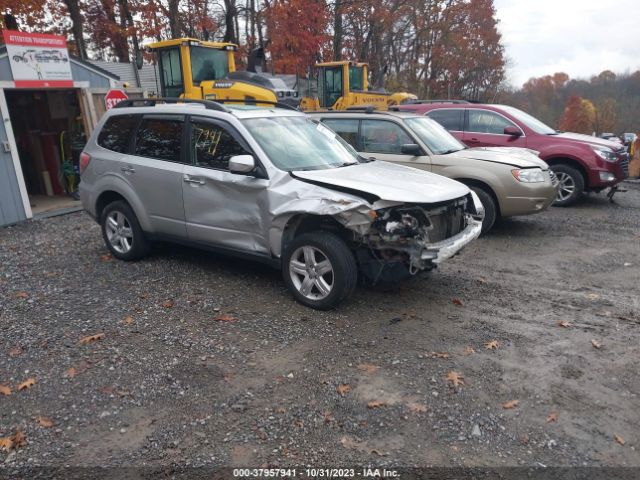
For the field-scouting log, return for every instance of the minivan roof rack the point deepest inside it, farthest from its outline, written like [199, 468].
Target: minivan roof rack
[152, 102]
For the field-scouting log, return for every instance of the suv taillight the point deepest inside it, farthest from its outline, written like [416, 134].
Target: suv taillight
[85, 158]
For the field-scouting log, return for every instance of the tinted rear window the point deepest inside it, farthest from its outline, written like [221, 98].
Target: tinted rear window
[449, 118]
[159, 138]
[116, 132]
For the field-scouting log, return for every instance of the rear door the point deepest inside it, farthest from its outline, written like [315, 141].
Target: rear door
[222, 208]
[154, 169]
[485, 128]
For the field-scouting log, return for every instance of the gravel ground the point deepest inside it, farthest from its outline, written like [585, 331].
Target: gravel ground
[206, 360]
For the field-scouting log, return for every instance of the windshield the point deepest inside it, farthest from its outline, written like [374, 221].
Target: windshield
[208, 64]
[532, 122]
[299, 143]
[434, 135]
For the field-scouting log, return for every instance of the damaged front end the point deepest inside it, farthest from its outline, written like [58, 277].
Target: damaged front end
[406, 239]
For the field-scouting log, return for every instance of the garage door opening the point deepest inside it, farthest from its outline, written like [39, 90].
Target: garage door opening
[50, 135]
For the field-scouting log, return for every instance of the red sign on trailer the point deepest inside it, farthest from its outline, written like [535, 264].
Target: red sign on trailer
[113, 97]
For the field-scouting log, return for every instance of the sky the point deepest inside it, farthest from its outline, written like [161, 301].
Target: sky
[578, 37]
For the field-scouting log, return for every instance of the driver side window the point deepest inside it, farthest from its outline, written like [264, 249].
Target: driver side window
[212, 146]
[482, 121]
[380, 136]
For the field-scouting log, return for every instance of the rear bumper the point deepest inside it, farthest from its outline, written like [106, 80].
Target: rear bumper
[441, 251]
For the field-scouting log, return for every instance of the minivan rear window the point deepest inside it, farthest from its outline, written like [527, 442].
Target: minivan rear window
[116, 132]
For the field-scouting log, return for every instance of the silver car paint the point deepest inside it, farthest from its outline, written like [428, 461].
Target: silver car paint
[250, 214]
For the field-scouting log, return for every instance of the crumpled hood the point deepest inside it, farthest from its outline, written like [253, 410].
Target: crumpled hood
[579, 137]
[519, 157]
[390, 182]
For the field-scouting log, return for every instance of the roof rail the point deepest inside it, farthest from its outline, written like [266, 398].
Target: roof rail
[362, 108]
[151, 102]
[414, 102]
[255, 101]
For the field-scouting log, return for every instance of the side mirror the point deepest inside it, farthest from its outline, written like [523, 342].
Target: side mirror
[242, 164]
[411, 149]
[513, 131]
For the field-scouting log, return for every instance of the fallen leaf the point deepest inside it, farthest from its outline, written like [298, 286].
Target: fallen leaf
[4, 390]
[45, 422]
[27, 384]
[524, 439]
[328, 417]
[15, 351]
[225, 318]
[299, 423]
[553, 417]
[457, 301]
[493, 344]
[416, 407]
[619, 439]
[377, 452]
[6, 443]
[368, 368]
[22, 294]
[281, 410]
[564, 324]
[375, 404]
[510, 404]
[455, 378]
[168, 303]
[350, 443]
[343, 388]
[440, 355]
[596, 344]
[468, 350]
[72, 372]
[106, 257]
[593, 296]
[482, 280]
[128, 320]
[19, 440]
[91, 338]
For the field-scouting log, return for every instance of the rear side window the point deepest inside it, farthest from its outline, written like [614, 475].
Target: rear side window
[116, 132]
[159, 138]
[347, 129]
[449, 119]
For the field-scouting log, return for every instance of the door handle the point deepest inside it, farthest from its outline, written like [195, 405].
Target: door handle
[128, 169]
[473, 139]
[197, 181]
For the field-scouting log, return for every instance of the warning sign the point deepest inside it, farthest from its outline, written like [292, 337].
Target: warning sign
[38, 60]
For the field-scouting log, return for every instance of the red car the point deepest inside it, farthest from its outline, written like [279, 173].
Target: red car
[581, 163]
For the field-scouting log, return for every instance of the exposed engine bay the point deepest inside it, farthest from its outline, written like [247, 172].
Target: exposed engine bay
[404, 240]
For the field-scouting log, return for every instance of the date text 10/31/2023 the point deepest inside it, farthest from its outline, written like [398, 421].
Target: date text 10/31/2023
[364, 472]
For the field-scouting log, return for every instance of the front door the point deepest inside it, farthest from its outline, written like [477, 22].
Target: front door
[486, 129]
[223, 208]
[383, 140]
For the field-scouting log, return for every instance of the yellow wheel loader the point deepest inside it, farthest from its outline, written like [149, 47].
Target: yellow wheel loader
[343, 85]
[195, 69]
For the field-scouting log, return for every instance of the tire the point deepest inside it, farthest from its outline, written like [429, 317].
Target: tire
[300, 270]
[571, 185]
[490, 208]
[122, 233]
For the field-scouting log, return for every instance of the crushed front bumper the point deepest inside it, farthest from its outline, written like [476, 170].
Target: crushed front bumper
[439, 252]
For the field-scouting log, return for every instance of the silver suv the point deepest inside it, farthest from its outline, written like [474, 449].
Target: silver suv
[270, 184]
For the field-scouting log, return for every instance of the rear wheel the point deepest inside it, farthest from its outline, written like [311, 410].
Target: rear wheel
[122, 232]
[571, 185]
[490, 208]
[320, 270]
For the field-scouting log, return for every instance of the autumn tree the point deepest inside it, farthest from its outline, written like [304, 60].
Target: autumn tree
[579, 116]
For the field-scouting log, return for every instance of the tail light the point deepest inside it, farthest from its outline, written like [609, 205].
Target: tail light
[85, 158]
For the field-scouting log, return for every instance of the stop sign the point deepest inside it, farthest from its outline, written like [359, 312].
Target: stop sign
[114, 96]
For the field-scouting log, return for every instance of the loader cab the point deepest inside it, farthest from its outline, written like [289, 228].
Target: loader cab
[184, 63]
[337, 79]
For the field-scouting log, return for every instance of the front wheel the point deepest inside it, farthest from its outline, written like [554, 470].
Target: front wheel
[320, 270]
[571, 185]
[490, 208]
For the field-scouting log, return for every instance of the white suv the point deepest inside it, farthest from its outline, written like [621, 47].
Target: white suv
[271, 184]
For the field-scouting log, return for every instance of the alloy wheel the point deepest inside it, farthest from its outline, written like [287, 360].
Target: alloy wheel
[119, 232]
[311, 272]
[567, 186]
